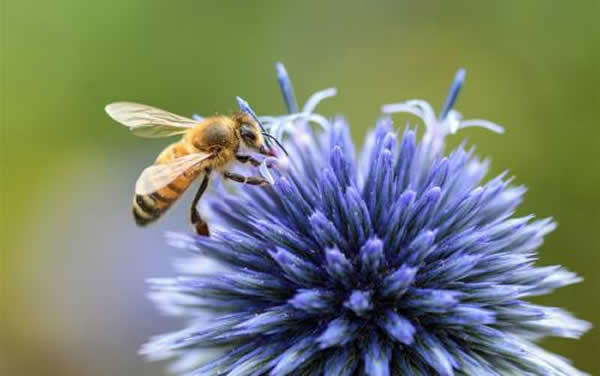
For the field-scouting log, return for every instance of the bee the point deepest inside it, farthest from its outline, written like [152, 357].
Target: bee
[206, 146]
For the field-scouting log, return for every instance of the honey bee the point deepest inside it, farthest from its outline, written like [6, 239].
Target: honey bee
[207, 146]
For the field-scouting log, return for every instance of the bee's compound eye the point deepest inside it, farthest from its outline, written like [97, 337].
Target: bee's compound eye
[247, 132]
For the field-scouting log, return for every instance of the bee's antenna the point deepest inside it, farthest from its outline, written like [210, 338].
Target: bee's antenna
[245, 107]
[270, 136]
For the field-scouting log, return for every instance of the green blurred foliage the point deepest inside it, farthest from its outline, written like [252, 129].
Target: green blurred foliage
[533, 66]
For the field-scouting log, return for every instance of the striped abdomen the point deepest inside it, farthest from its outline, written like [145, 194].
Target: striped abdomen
[148, 208]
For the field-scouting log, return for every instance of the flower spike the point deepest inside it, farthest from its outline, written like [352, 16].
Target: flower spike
[457, 84]
[407, 261]
[287, 90]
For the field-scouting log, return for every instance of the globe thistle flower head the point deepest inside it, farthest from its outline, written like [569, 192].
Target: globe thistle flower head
[401, 261]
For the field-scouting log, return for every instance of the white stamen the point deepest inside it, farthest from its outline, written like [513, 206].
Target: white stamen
[482, 124]
[317, 97]
[265, 173]
[436, 129]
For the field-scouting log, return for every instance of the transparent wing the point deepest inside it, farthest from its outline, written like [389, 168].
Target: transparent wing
[147, 121]
[158, 176]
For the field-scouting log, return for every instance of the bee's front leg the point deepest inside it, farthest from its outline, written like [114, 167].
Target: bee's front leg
[252, 180]
[253, 161]
[248, 159]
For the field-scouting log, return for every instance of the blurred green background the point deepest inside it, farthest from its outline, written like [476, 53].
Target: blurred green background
[73, 263]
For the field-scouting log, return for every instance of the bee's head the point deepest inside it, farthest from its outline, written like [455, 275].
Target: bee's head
[251, 135]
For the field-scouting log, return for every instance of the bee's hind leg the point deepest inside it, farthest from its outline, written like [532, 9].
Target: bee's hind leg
[252, 180]
[197, 221]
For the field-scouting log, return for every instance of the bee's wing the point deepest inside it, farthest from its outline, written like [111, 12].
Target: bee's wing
[158, 176]
[147, 121]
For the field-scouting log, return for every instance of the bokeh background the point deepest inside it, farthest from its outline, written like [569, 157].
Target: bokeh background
[73, 264]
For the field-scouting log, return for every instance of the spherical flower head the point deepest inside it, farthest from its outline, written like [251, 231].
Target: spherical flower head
[403, 261]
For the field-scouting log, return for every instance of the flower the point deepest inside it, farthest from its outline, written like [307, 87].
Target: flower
[401, 262]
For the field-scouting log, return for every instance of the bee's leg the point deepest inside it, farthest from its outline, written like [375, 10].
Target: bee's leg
[248, 159]
[197, 221]
[252, 180]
